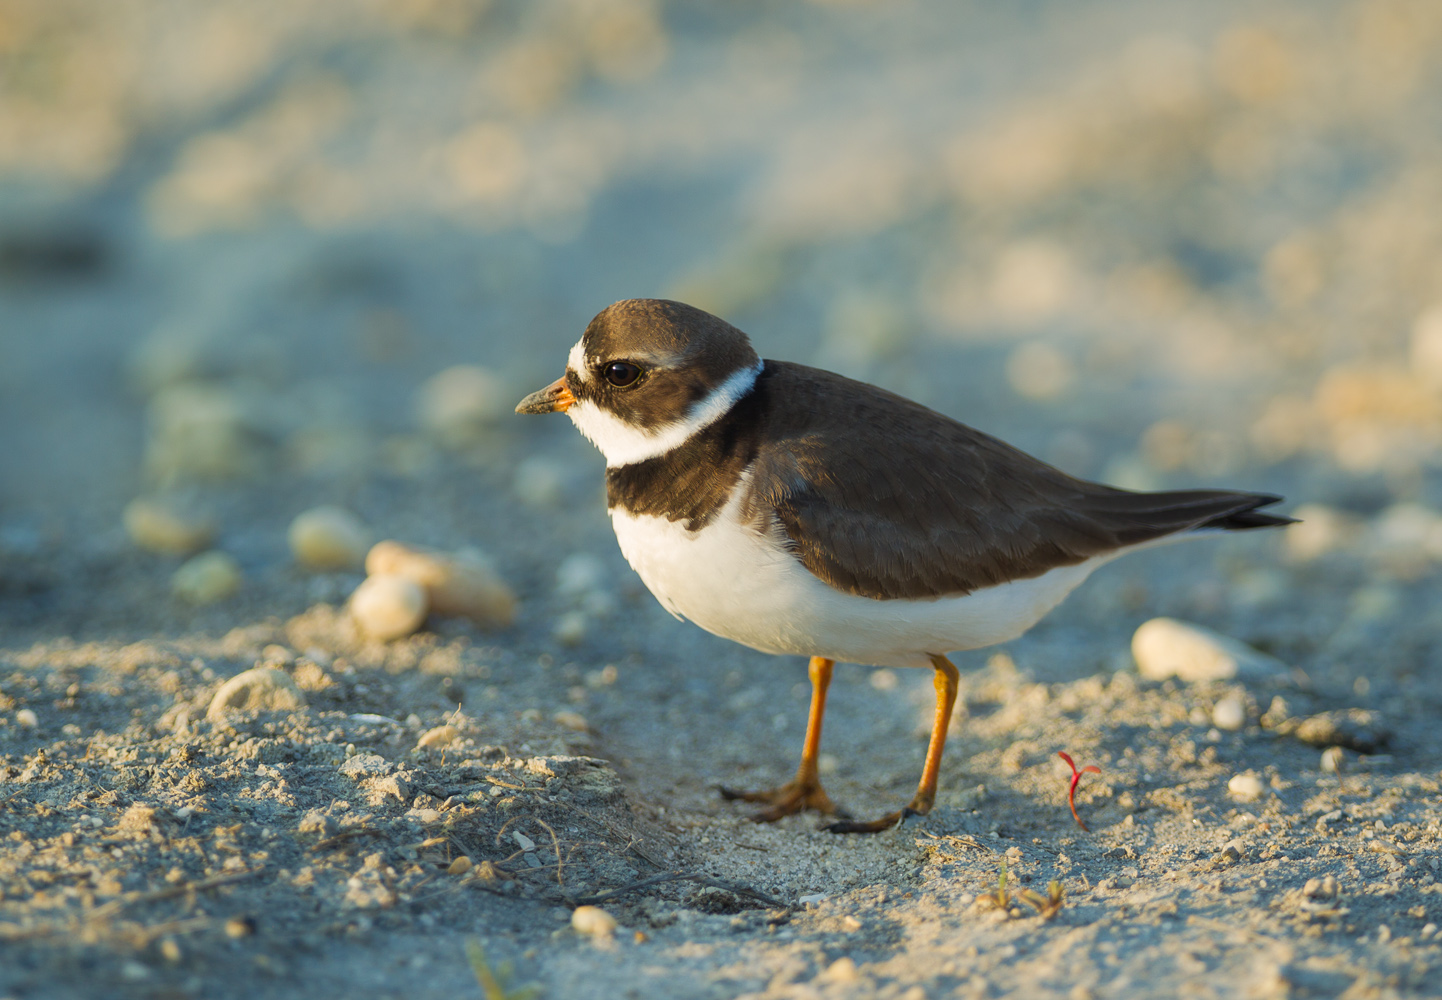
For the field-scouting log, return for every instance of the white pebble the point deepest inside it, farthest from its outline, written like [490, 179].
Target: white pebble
[440, 736]
[166, 526]
[579, 573]
[388, 607]
[593, 921]
[570, 628]
[206, 578]
[1165, 647]
[328, 539]
[540, 481]
[1230, 713]
[27, 719]
[1245, 786]
[260, 689]
[459, 404]
[460, 583]
[1332, 759]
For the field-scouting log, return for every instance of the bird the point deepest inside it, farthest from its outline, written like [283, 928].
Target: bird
[799, 512]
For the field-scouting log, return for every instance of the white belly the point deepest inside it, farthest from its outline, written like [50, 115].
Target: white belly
[735, 582]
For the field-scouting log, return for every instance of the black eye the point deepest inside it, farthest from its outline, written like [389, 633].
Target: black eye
[621, 373]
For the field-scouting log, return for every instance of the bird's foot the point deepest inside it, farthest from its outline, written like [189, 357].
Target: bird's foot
[871, 826]
[792, 797]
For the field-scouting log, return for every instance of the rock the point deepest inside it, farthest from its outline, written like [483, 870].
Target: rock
[166, 526]
[328, 539]
[1246, 787]
[461, 403]
[522, 841]
[1332, 760]
[27, 719]
[388, 607]
[540, 481]
[570, 628]
[365, 765]
[440, 736]
[206, 578]
[1165, 647]
[459, 866]
[1355, 728]
[1229, 713]
[1318, 531]
[260, 689]
[461, 583]
[593, 921]
[570, 720]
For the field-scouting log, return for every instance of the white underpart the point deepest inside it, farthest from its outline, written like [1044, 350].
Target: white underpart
[625, 444]
[740, 583]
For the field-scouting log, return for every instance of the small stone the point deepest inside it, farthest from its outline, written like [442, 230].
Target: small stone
[1332, 759]
[570, 628]
[1165, 648]
[440, 736]
[206, 578]
[170, 950]
[459, 866]
[460, 404]
[240, 927]
[27, 719]
[166, 526]
[579, 574]
[592, 921]
[1356, 729]
[1229, 713]
[570, 720]
[133, 972]
[260, 689]
[1246, 787]
[843, 970]
[328, 539]
[540, 481]
[461, 583]
[524, 842]
[365, 766]
[388, 607]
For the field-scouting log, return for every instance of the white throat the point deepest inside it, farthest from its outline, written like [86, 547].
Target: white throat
[625, 444]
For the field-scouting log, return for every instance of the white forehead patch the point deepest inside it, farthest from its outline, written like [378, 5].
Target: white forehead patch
[576, 362]
[626, 444]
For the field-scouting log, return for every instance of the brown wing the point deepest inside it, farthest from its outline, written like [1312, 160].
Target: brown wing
[881, 497]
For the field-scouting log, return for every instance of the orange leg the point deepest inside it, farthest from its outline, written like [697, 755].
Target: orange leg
[946, 680]
[804, 791]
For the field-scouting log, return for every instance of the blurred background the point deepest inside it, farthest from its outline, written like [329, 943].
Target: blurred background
[259, 255]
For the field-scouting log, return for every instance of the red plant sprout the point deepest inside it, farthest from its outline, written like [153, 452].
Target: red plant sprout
[1076, 777]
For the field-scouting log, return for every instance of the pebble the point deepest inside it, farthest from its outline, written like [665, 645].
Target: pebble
[209, 577]
[1229, 713]
[166, 526]
[1245, 786]
[570, 628]
[1332, 759]
[570, 720]
[459, 866]
[525, 843]
[460, 583]
[461, 403]
[27, 719]
[239, 927]
[1355, 728]
[328, 539]
[200, 430]
[1165, 648]
[593, 921]
[388, 607]
[843, 970]
[260, 689]
[1319, 530]
[540, 481]
[440, 736]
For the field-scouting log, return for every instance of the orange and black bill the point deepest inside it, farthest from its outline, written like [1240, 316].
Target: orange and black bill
[554, 398]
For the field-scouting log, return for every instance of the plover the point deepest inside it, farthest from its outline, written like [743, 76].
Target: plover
[799, 512]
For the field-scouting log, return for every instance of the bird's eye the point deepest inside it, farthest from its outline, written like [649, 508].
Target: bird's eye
[621, 373]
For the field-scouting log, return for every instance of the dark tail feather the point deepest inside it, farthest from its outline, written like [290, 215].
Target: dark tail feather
[1251, 517]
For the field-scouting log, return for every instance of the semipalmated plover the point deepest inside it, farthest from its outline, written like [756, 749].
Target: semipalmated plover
[797, 511]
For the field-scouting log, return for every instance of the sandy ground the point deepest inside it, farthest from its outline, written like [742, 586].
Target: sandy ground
[1159, 244]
